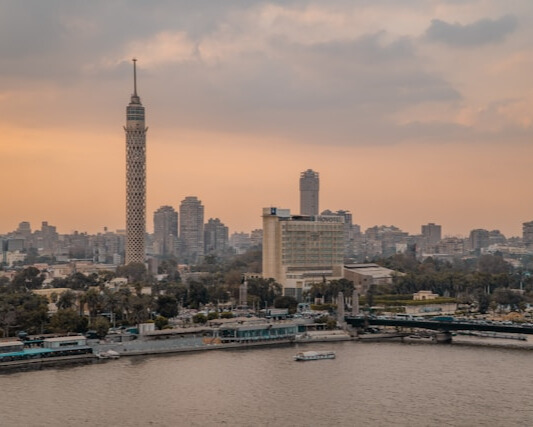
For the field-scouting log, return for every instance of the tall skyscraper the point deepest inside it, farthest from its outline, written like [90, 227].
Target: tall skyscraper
[309, 192]
[165, 230]
[191, 229]
[135, 176]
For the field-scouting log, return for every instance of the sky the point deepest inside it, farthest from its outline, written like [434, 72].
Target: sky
[412, 111]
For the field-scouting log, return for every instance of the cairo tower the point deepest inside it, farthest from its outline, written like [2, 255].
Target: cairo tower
[135, 176]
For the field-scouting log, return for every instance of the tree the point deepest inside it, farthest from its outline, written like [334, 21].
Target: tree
[265, 290]
[66, 300]
[94, 300]
[23, 311]
[101, 326]
[483, 301]
[79, 281]
[167, 306]
[199, 318]
[161, 322]
[68, 320]
[329, 321]
[212, 315]
[141, 307]
[226, 315]
[286, 302]
[508, 297]
[125, 303]
[134, 271]
[29, 278]
[110, 302]
[492, 264]
[197, 294]
[370, 293]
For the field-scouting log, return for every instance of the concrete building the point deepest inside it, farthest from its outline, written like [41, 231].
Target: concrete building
[453, 246]
[424, 295]
[364, 276]
[432, 233]
[309, 186]
[301, 250]
[496, 237]
[388, 236]
[165, 231]
[349, 230]
[191, 229]
[527, 234]
[240, 241]
[216, 237]
[479, 239]
[135, 177]
[47, 239]
[256, 237]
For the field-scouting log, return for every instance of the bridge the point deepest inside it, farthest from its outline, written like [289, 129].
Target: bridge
[442, 326]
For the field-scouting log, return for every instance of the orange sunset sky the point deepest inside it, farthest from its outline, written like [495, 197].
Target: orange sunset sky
[412, 112]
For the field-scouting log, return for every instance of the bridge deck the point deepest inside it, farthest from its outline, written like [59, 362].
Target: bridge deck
[455, 325]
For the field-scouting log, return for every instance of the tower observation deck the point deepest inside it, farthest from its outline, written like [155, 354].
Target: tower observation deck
[135, 176]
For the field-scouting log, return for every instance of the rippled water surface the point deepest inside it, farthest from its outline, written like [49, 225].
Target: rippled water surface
[376, 384]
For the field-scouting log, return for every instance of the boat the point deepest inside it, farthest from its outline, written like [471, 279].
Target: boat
[109, 354]
[314, 355]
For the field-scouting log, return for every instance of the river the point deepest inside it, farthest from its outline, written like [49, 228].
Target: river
[368, 384]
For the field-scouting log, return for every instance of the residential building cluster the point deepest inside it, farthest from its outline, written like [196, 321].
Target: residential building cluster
[188, 244]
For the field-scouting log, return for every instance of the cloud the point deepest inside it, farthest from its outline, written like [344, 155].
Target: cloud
[482, 32]
[300, 70]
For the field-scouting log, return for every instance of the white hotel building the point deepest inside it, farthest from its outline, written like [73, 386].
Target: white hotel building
[301, 250]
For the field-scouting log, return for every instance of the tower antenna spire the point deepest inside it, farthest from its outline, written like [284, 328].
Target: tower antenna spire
[134, 76]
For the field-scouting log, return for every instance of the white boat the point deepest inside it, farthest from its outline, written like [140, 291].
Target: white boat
[109, 354]
[314, 355]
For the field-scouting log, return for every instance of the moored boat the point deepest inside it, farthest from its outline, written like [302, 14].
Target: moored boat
[109, 354]
[314, 355]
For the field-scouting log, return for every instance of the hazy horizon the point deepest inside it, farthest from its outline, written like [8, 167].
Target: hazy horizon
[412, 112]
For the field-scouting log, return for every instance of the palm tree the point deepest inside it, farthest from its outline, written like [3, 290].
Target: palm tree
[94, 301]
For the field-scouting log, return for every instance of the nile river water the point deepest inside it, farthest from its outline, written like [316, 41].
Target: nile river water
[368, 384]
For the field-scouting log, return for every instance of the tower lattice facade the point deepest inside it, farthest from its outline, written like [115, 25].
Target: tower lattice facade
[135, 177]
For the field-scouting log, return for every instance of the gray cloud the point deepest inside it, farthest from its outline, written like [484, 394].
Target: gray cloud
[482, 32]
[342, 92]
[345, 90]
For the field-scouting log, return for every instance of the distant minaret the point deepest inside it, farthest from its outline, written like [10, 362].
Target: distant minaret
[309, 185]
[135, 176]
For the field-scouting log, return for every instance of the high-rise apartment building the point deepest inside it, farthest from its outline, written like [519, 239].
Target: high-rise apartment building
[479, 239]
[240, 241]
[432, 233]
[299, 251]
[216, 237]
[135, 177]
[527, 234]
[256, 237]
[309, 186]
[191, 229]
[165, 231]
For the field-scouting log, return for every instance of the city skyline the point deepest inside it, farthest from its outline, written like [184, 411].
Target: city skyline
[245, 97]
